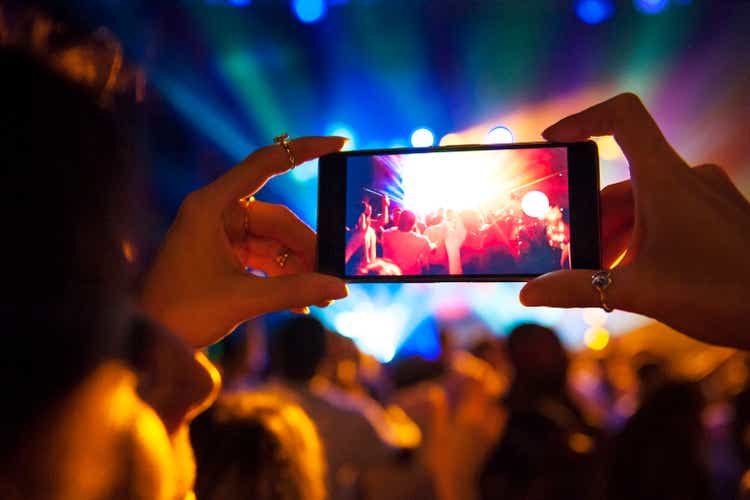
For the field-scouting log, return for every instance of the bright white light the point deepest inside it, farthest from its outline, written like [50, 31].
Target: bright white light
[535, 204]
[378, 332]
[343, 131]
[456, 180]
[499, 135]
[422, 138]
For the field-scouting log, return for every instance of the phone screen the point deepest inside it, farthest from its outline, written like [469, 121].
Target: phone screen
[470, 213]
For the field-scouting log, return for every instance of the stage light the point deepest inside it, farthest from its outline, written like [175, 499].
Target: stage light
[535, 204]
[499, 135]
[240, 3]
[596, 338]
[650, 6]
[342, 130]
[422, 138]
[309, 11]
[594, 316]
[594, 11]
[306, 171]
[450, 140]
[378, 332]
[608, 148]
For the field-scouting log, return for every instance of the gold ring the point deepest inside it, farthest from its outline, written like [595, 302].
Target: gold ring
[283, 256]
[602, 280]
[246, 202]
[284, 143]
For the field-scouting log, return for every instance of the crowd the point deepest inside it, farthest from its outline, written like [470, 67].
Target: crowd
[512, 416]
[104, 371]
[504, 240]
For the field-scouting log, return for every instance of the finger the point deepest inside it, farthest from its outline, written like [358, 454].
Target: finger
[277, 222]
[294, 291]
[627, 119]
[252, 173]
[574, 289]
[617, 219]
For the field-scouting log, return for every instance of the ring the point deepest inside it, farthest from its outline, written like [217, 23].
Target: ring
[602, 280]
[283, 256]
[284, 143]
[246, 202]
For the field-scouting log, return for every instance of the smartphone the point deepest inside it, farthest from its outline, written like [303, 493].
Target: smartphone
[505, 212]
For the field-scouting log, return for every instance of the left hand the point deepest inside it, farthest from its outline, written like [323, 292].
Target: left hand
[198, 286]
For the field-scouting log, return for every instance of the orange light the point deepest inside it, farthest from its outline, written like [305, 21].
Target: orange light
[450, 140]
[619, 259]
[128, 251]
[608, 148]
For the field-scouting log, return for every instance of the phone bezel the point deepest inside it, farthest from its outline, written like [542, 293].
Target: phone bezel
[583, 189]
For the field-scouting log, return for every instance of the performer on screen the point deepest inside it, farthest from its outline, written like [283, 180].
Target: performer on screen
[361, 248]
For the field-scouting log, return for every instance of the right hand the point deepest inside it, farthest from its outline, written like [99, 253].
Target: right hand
[686, 231]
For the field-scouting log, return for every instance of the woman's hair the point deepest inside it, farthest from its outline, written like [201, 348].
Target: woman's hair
[66, 200]
[259, 446]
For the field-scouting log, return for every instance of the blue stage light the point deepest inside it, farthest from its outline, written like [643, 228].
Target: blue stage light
[240, 3]
[499, 135]
[650, 6]
[309, 11]
[422, 138]
[594, 11]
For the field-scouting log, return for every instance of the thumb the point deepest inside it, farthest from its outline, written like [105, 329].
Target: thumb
[292, 291]
[574, 289]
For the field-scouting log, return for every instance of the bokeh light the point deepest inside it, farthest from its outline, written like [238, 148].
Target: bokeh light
[596, 338]
[594, 11]
[309, 11]
[535, 204]
[450, 140]
[650, 6]
[422, 138]
[499, 135]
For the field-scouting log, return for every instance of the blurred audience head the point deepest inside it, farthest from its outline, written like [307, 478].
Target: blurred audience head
[259, 446]
[297, 348]
[406, 221]
[538, 358]
[660, 453]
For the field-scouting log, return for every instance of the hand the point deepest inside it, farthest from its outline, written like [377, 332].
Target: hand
[685, 230]
[198, 286]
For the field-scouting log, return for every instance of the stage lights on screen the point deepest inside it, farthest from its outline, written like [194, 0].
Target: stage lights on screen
[309, 11]
[450, 140]
[499, 135]
[422, 138]
[594, 11]
[535, 204]
[650, 6]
